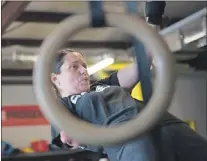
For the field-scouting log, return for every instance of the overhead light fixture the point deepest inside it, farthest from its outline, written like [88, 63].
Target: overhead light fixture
[189, 39]
[31, 58]
[100, 65]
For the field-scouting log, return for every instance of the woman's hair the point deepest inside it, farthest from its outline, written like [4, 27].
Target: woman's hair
[59, 62]
[60, 59]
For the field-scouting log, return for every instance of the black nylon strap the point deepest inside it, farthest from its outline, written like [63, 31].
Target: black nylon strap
[97, 14]
[145, 76]
[154, 11]
[142, 60]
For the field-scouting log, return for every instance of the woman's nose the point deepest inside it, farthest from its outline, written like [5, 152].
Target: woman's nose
[83, 70]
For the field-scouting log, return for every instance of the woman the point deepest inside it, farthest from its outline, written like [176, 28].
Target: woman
[108, 102]
[105, 102]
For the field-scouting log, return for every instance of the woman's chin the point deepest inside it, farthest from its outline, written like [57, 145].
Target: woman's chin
[85, 87]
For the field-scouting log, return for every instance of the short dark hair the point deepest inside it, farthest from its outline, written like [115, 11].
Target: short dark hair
[60, 59]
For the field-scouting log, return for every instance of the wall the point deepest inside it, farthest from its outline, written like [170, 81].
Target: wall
[21, 136]
[189, 103]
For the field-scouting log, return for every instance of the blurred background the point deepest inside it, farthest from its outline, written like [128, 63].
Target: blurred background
[22, 122]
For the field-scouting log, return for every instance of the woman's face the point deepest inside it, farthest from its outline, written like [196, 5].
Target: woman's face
[73, 77]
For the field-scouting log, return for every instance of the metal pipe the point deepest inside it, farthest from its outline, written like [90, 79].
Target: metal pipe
[185, 21]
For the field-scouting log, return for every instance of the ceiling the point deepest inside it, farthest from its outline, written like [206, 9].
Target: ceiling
[21, 29]
[40, 18]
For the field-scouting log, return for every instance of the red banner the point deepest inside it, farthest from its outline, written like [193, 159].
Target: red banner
[25, 115]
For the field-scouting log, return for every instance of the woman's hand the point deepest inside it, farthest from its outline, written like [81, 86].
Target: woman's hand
[67, 140]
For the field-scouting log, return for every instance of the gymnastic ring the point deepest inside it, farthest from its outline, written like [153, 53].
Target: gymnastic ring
[85, 132]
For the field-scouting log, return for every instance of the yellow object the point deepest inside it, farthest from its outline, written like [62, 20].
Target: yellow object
[102, 74]
[137, 90]
[116, 66]
[192, 124]
[27, 150]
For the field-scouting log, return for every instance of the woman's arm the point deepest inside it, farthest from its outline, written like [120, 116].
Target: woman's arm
[154, 10]
[128, 77]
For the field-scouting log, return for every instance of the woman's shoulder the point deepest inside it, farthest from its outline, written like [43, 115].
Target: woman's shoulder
[66, 101]
[111, 80]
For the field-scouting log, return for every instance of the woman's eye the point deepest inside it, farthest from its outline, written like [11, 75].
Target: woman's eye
[74, 66]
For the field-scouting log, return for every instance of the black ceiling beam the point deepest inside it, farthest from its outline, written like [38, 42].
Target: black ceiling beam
[17, 72]
[191, 52]
[72, 44]
[49, 17]
[16, 41]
